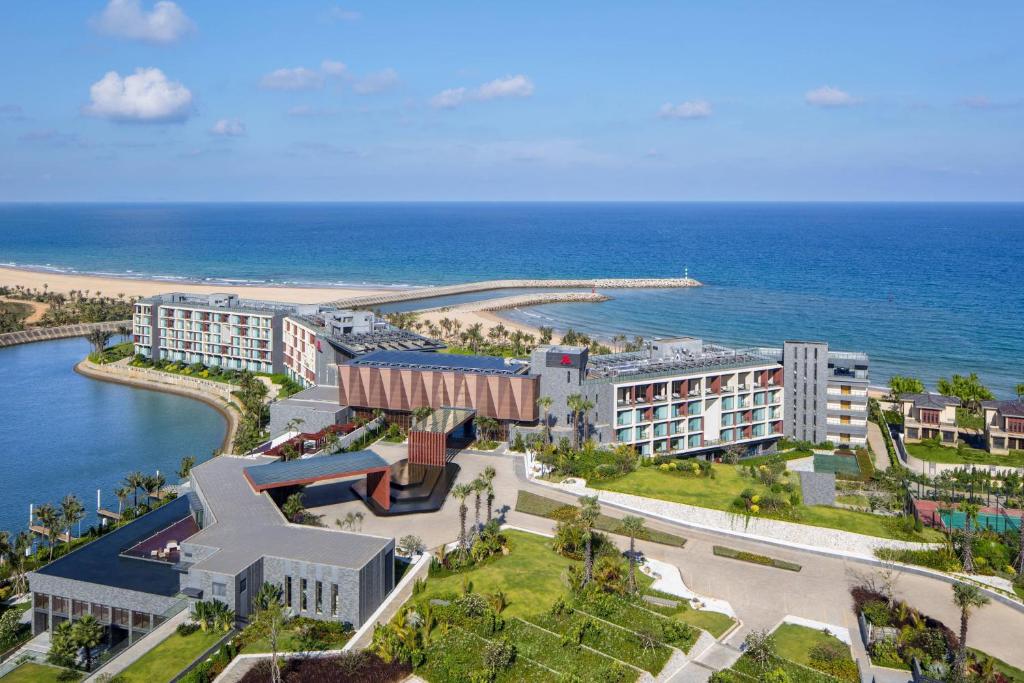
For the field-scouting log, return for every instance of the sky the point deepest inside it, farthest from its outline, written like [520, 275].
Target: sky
[134, 100]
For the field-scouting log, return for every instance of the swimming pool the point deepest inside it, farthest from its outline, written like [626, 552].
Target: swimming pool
[829, 462]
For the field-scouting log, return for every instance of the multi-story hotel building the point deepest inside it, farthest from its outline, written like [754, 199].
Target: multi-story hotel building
[677, 397]
[305, 341]
[215, 330]
[826, 393]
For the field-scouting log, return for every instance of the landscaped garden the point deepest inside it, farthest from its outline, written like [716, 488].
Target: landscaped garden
[933, 451]
[792, 654]
[777, 497]
[171, 656]
[514, 606]
[30, 672]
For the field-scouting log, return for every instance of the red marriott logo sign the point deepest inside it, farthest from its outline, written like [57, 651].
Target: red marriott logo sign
[566, 359]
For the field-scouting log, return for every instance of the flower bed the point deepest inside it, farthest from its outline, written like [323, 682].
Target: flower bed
[753, 558]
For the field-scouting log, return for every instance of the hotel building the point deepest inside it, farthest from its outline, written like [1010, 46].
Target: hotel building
[677, 397]
[826, 393]
[304, 341]
[929, 416]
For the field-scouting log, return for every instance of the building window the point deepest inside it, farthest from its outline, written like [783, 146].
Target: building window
[303, 599]
[287, 591]
[241, 585]
[319, 598]
[334, 600]
[219, 590]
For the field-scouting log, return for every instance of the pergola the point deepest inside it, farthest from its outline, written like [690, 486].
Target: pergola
[325, 467]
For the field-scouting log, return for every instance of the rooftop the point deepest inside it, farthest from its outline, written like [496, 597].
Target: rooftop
[221, 302]
[415, 360]
[102, 562]
[309, 470]
[1006, 408]
[243, 525]
[930, 400]
[362, 343]
[639, 364]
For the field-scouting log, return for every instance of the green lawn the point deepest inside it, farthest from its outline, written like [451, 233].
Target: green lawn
[530, 575]
[167, 659]
[965, 456]
[794, 642]
[720, 492]
[31, 672]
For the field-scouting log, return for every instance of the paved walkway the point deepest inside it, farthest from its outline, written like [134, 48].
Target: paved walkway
[877, 442]
[761, 596]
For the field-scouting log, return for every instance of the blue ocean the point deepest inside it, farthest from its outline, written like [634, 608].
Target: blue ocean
[925, 289]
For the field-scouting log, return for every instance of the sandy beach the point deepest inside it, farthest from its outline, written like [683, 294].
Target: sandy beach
[64, 282]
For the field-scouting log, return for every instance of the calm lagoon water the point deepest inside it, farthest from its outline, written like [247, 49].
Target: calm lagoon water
[925, 289]
[64, 433]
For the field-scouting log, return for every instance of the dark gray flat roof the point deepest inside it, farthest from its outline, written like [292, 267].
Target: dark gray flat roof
[101, 561]
[282, 473]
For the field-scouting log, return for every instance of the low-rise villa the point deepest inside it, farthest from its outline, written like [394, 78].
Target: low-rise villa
[927, 416]
[1004, 426]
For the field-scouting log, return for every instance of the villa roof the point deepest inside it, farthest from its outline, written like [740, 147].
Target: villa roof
[937, 401]
[246, 525]
[102, 562]
[1006, 408]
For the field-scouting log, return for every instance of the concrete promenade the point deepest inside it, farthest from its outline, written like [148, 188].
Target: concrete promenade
[488, 285]
[37, 334]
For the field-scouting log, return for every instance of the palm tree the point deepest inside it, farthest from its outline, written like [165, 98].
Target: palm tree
[87, 634]
[71, 512]
[461, 492]
[575, 404]
[153, 484]
[966, 597]
[125, 331]
[970, 515]
[488, 477]
[122, 494]
[479, 486]
[135, 480]
[586, 405]
[544, 402]
[19, 550]
[421, 413]
[49, 518]
[269, 619]
[589, 510]
[633, 526]
[99, 339]
[185, 468]
[293, 507]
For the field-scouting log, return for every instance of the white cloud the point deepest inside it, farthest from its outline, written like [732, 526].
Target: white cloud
[165, 23]
[375, 82]
[231, 128]
[829, 97]
[299, 78]
[341, 14]
[983, 102]
[692, 109]
[332, 68]
[509, 86]
[143, 97]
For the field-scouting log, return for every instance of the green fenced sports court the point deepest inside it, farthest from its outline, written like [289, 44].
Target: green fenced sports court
[829, 462]
[954, 519]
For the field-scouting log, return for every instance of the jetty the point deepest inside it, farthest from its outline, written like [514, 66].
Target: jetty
[520, 300]
[490, 285]
[38, 334]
